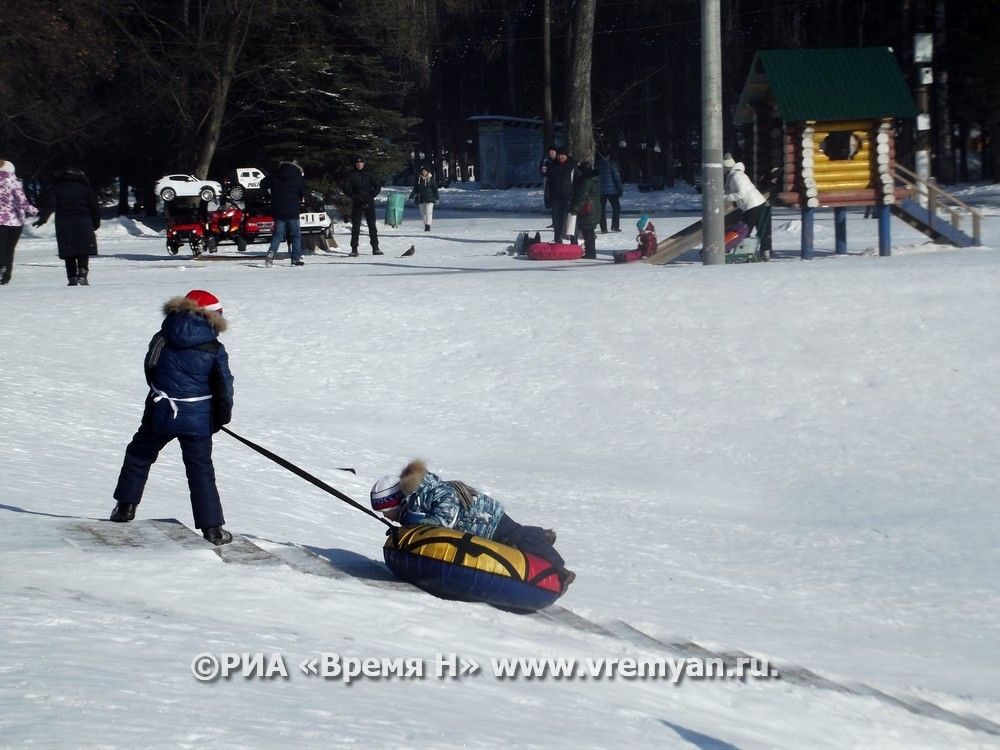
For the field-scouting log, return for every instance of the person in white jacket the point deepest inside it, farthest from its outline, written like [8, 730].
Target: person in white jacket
[741, 191]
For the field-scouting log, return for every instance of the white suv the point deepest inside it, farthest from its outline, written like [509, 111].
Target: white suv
[187, 186]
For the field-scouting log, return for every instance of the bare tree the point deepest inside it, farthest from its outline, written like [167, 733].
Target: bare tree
[193, 53]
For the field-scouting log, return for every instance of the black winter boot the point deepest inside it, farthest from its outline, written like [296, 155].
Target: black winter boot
[353, 253]
[73, 281]
[82, 281]
[217, 535]
[427, 227]
[123, 512]
[376, 251]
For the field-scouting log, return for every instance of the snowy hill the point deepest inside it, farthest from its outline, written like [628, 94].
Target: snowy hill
[791, 460]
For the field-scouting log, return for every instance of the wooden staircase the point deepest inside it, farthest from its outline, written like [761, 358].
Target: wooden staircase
[941, 219]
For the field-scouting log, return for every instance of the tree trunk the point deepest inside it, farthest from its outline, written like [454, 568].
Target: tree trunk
[943, 132]
[567, 92]
[666, 130]
[580, 133]
[649, 128]
[549, 127]
[991, 160]
[512, 102]
[963, 150]
[122, 195]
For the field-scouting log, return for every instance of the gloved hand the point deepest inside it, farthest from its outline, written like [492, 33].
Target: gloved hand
[38, 223]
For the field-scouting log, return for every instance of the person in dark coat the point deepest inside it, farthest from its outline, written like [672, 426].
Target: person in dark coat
[561, 190]
[190, 398]
[611, 191]
[78, 217]
[362, 187]
[287, 187]
[587, 206]
[543, 169]
[425, 194]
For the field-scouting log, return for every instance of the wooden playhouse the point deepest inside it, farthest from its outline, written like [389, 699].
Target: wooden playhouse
[823, 121]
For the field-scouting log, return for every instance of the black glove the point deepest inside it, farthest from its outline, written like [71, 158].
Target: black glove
[38, 223]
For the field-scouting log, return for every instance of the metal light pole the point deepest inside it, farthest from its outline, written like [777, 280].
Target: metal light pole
[712, 213]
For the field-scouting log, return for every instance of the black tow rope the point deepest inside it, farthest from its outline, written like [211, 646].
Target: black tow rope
[308, 477]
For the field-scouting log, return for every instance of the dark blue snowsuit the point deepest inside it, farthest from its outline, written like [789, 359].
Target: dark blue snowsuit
[190, 398]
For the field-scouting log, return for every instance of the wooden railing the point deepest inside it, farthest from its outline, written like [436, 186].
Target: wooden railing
[939, 200]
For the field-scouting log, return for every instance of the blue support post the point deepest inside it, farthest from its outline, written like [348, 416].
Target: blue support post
[840, 230]
[808, 217]
[884, 233]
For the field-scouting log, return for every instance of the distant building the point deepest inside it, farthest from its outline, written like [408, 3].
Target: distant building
[510, 149]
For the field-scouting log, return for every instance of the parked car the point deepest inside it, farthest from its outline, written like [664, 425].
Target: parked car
[187, 186]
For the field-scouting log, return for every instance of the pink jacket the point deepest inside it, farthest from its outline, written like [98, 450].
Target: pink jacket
[14, 205]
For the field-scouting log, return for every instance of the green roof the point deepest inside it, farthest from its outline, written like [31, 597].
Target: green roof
[827, 85]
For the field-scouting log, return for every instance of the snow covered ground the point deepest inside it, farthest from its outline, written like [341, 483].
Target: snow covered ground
[796, 460]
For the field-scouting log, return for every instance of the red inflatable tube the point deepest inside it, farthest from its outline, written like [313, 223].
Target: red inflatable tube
[554, 251]
[628, 256]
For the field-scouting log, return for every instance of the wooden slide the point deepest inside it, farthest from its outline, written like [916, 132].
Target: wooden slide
[685, 240]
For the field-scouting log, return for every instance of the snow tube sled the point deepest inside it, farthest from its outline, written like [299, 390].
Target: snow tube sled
[628, 256]
[455, 565]
[554, 251]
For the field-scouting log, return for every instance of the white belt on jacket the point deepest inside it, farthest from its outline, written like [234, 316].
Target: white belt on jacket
[160, 395]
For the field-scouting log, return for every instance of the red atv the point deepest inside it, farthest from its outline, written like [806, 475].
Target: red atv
[241, 226]
[185, 224]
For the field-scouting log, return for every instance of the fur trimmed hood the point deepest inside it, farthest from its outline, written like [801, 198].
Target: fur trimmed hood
[412, 476]
[180, 305]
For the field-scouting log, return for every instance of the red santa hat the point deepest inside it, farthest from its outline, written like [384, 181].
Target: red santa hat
[205, 300]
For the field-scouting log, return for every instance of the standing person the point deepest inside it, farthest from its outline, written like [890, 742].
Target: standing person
[543, 168]
[190, 398]
[611, 190]
[14, 209]
[362, 187]
[588, 207]
[417, 496]
[288, 190]
[78, 217]
[741, 191]
[425, 193]
[561, 190]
